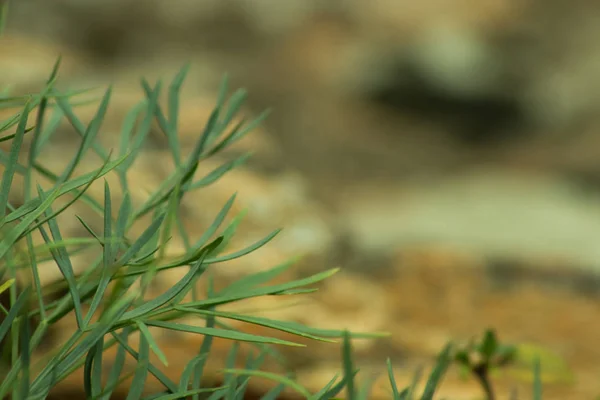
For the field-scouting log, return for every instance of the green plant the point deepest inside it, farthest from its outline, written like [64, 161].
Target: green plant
[480, 358]
[108, 300]
[108, 308]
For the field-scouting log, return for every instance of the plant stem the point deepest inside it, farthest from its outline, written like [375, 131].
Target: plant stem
[481, 373]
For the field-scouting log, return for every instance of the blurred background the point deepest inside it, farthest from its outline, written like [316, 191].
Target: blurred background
[447, 150]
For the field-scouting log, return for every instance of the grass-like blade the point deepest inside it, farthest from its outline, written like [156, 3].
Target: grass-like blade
[247, 250]
[238, 132]
[537, 380]
[80, 128]
[222, 333]
[185, 394]
[230, 380]
[172, 291]
[173, 110]
[212, 229]
[224, 299]
[144, 238]
[348, 366]
[136, 388]
[234, 104]
[274, 377]
[390, 371]
[161, 377]
[186, 375]
[117, 366]
[128, 125]
[109, 253]
[103, 326]
[50, 216]
[92, 370]
[24, 341]
[266, 322]
[219, 172]
[230, 230]
[9, 171]
[153, 345]
[88, 137]
[274, 393]
[63, 261]
[144, 128]
[259, 278]
[33, 206]
[6, 285]
[15, 233]
[442, 364]
[206, 342]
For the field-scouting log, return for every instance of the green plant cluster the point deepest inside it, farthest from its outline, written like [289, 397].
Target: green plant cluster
[108, 300]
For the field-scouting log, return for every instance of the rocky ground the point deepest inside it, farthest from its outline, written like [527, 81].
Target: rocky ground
[449, 165]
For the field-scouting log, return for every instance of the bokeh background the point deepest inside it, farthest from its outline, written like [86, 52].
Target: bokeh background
[444, 153]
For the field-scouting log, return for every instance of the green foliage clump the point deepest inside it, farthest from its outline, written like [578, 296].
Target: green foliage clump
[109, 298]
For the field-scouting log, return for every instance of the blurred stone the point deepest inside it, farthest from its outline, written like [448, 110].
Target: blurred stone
[486, 212]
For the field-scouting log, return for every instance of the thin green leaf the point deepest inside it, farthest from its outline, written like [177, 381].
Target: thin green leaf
[229, 232]
[153, 345]
[348, 365]
[128, 125]
[205, 137]
[141, 241]
[437, 374]
[212, 229]
[167, 296]
[174, 94]
[219, 172]
[222, 333]
[90, 230]
[117, 365]
[92, 371]
[9, 171]
[33, 205]
[331, 393]
[274, 393]
[24, 341]
[186, 375]
[6, 285]
[411, 390]
[230, 380]
[49, 130]
[143, 129]
[537, 380]
[51, 216]
[365, 391]
[390, 371]
[109, 254]
[161, 377]
[123, 217]
[239, 132]
[224, 299]
[80, 128]
[259, 278]
[63, 261]
[240, 253]
[187, 393]
[274, 377]
[206, 342]
[103, 326]
[234, 105]
[136, 388]
[266, 322]
[88, 137]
